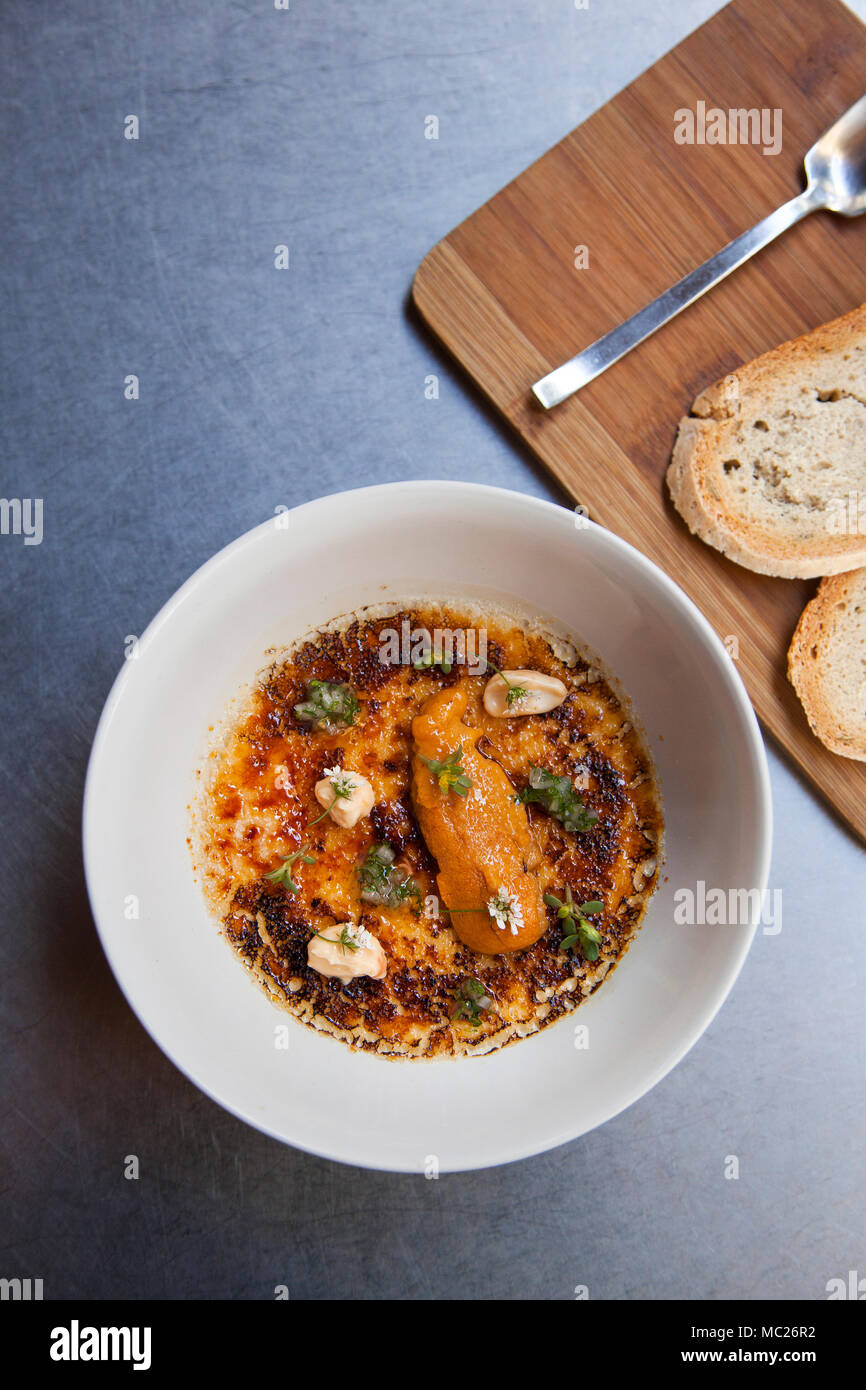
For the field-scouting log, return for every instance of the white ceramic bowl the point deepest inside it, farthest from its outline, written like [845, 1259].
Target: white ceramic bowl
[303, 568]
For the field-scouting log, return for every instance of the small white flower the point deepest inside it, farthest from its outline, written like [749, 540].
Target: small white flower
[353, 934]
[343, 781]
[360, 934]
[506, 911]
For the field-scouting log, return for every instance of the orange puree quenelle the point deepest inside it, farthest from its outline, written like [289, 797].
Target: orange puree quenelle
[482, 841]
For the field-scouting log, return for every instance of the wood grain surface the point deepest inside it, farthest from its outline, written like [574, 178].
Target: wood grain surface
[503, 294]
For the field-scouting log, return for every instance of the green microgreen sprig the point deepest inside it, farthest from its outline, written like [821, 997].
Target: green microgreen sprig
[429, 659]
[449, 773]
[283, 874]
[576, 930]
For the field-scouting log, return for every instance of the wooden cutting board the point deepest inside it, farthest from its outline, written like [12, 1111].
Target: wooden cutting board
[502, 292]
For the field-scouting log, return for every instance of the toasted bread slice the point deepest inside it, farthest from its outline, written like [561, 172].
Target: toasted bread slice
[770, 467]
[827, 663]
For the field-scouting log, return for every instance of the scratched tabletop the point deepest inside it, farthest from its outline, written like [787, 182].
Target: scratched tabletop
[166, 386]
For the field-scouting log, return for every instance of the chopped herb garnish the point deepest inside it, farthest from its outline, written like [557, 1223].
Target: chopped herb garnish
[559, 798]
[471, 1002]
[576, 930]
[449, 774]
[283, 874]
[383, 881]
[329, 706]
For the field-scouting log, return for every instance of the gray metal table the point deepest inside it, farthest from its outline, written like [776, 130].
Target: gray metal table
[154, 258]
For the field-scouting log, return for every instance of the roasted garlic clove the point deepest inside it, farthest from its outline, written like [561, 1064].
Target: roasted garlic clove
[522, 692]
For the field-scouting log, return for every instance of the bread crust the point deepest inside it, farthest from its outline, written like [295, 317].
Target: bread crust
[827, 621]
[696, 475]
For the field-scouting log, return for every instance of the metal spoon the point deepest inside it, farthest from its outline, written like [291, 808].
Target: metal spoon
[836, 180]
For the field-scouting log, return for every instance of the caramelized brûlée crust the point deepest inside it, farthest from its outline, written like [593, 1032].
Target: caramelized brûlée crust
[258, 804]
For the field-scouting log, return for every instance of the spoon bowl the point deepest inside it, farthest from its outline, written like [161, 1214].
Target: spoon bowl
[836, 182]
[836, 164]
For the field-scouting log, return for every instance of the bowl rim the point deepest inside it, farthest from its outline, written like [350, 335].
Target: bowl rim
[736, 690]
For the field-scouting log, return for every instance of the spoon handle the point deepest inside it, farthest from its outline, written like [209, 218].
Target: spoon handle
[587, 365]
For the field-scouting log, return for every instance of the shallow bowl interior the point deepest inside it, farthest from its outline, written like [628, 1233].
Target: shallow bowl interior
[305, 567]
